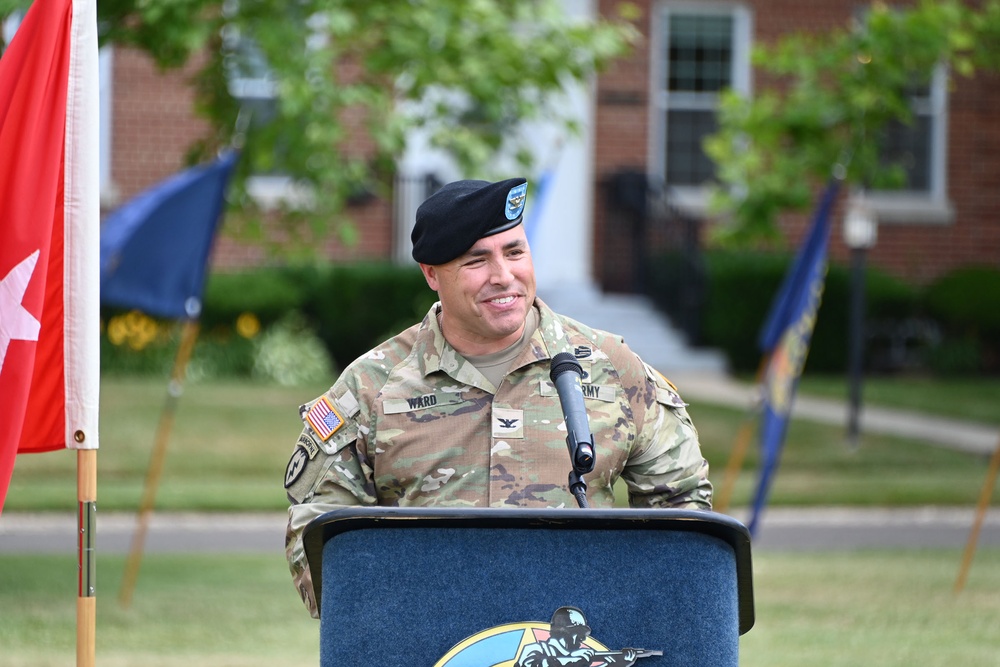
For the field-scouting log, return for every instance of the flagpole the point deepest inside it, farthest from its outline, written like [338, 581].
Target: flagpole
[738, 455]
[155, 471]
[86, 603]
[137, 258]
[984, 501]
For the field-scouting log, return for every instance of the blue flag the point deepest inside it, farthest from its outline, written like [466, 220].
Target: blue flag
[785, 338]
[155, 247]
[539, 204]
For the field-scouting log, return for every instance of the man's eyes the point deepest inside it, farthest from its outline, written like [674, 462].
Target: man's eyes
[516, 253]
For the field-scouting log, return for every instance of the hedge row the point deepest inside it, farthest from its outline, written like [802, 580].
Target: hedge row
[951, 326]
[351, 307]
[267, 322]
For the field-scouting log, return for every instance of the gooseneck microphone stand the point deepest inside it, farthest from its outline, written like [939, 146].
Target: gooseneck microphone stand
[578, 487]
[567, 375]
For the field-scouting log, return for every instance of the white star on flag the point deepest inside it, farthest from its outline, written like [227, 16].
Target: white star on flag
[16, 323]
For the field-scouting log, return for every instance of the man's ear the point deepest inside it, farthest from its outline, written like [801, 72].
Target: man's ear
[430, 275]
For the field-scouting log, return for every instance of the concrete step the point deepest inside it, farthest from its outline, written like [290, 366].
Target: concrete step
[645, 329]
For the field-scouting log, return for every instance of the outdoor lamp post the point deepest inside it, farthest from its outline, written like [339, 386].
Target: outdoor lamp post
[860, 232]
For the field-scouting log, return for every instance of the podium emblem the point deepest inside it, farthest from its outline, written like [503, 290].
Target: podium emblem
[538, 644]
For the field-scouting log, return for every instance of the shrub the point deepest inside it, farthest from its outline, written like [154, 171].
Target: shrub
[265, 322]
[966, 303]
[270, 293]
[290, 354]
[742, 286]
[135, 344]
[357, 306]
[955, 356]
[740, 289]
[967, 299]
[891, 306]
[219, 354]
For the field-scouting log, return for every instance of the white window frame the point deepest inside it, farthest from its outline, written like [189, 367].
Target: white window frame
[691, 199]
[270, 191]
[930, 207]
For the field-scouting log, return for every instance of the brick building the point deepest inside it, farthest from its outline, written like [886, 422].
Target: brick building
[651, 111]
[647, 115]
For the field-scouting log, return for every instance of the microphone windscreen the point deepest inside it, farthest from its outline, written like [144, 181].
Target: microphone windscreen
[563, 363]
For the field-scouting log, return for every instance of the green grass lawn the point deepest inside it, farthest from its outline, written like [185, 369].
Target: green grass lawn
[891, 609]
[976, 399]
[885, 608]
[228, 451]
[231, 440]
[187, 611]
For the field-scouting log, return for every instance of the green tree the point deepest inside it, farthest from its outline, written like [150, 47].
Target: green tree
[827, 100]
[468, 72]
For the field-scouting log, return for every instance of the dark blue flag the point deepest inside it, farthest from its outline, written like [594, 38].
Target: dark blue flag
[785, 338]
[155, 247]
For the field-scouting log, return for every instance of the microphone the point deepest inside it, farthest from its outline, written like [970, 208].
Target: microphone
[567, 374]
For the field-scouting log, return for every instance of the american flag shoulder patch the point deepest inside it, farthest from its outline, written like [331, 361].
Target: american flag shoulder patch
[324, 418]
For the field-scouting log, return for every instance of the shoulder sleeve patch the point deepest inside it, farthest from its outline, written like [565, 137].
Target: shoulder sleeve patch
[324, 418]
[296, 466]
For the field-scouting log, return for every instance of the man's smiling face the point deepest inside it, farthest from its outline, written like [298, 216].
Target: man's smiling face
[485, 293]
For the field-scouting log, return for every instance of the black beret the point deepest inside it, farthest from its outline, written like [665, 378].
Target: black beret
[452, 219]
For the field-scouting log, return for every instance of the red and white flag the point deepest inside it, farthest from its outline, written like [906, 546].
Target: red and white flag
[49, 233]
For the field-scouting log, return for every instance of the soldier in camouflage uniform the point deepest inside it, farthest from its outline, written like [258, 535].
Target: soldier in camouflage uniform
[459, 410]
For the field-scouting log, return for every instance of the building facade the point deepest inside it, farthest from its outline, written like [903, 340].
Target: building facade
[654, 107]
[644, 118]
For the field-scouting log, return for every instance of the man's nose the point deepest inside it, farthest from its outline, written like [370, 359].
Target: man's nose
[501, 274]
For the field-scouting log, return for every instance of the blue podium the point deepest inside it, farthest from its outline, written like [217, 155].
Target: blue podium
[450, 587]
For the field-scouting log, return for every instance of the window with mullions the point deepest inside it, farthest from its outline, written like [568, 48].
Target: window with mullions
[249, 77]
[917, 145]
[704, 50]
[909, 146]
[920, 148]
[253, 85]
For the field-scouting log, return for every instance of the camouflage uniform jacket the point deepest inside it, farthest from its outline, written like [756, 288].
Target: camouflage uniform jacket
[412, 423]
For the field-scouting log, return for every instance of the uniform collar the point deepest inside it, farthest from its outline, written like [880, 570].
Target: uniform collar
[434, 353]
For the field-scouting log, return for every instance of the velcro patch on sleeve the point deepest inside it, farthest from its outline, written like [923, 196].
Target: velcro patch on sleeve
[349, 404]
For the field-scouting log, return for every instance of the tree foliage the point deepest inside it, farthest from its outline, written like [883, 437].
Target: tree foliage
[468, 73]
[828, 100]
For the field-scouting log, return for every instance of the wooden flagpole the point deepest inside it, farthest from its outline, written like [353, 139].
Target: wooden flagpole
[743, 436]
[86, 602]
[155, 471]
[984, 502]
